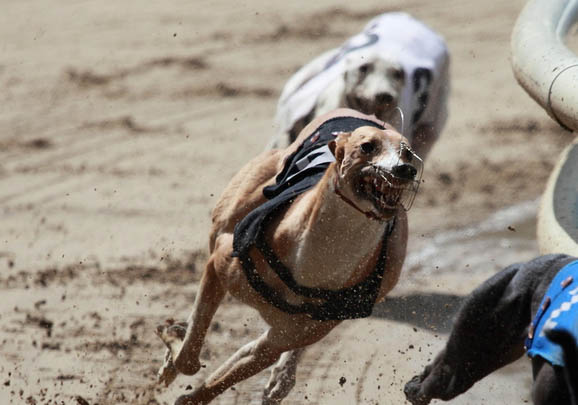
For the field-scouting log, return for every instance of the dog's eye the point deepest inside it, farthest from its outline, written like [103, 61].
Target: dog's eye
[364, 69]
[397, 74]
[367, 147]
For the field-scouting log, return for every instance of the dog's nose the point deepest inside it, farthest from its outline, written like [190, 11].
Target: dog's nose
[404, 171]
[384, 98]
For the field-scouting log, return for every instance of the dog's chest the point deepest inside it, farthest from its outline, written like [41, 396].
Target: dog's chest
[328, 254]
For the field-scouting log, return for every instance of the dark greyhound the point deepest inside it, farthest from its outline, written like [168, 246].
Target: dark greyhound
[501, 320]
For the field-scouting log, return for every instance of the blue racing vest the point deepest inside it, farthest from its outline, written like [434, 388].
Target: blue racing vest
[558, 310]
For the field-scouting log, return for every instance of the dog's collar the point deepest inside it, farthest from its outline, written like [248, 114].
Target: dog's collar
[368, 214]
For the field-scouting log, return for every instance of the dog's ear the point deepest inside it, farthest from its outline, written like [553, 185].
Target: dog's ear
[332, 146]
[336, 146]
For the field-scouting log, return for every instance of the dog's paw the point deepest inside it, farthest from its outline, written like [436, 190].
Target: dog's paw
[171, 331]
[172, 335]
[412, 391]
[168, 372]
[282, 380]
[278, 387]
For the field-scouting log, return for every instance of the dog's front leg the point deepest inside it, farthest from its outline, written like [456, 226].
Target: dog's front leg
[488, 333]
[184, 340]
[282, 378]
[210, 295]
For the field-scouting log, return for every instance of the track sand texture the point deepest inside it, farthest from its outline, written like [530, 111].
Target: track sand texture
[120, 125]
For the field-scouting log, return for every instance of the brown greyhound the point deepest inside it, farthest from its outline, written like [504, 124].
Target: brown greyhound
[325, 253]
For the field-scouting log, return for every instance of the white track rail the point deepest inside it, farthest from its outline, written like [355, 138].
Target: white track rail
[542, 64]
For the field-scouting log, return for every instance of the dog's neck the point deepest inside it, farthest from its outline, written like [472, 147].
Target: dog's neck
[328, 239]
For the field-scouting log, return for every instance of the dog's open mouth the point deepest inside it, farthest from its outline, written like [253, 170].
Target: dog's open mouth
[384, 195]
[387, 191]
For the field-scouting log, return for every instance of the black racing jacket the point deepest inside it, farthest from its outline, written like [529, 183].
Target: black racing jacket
[302, 171]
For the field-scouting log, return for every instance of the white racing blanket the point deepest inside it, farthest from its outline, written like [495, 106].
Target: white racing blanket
[421, 52]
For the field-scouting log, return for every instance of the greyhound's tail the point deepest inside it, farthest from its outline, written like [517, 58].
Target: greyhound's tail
[570, 348]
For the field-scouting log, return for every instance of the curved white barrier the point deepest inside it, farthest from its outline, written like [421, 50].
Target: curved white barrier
[542, 64]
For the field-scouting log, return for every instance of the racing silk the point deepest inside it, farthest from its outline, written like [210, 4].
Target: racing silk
[420, 51]
[558, 310]
[302, 171]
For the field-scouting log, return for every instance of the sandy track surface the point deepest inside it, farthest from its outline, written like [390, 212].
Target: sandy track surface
[121, 124]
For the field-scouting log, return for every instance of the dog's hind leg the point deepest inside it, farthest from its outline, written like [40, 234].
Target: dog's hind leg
[247, 361]
[208, 298]
[282, 378]
[257, 356]
[488, 333]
